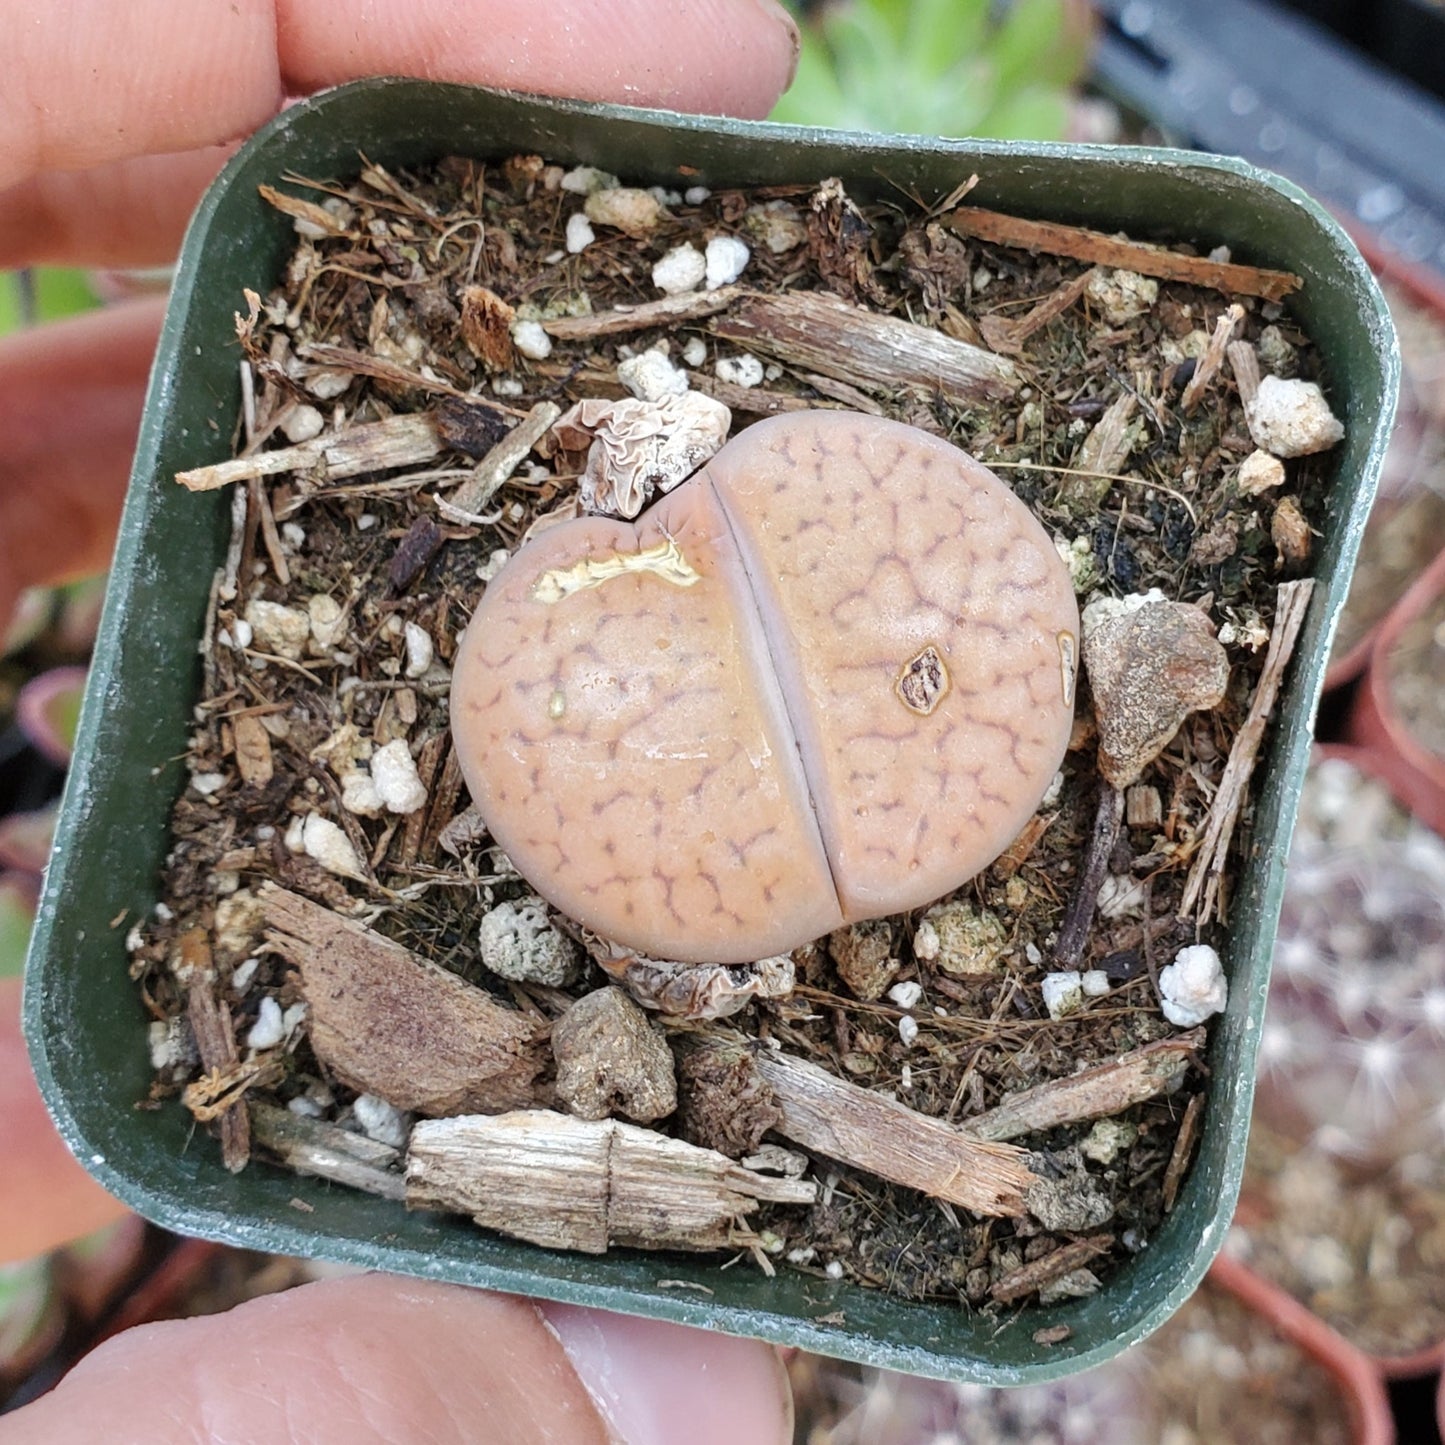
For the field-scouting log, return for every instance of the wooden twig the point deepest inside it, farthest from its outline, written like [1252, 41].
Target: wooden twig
[1096, 1093]
[1108, 444]
[364, 363]
[1208, 365]
[217, 1093]
[1182, 1152]
[1079, 918]
[818, 332]
[586, 1185]
[1207, 871]
[395, 1025]
[753, 400]
[310, 1146]
[1095, 247]
[500, 462]
[669, 311]
[877, 1134]
[1244, 363]
[1038, 1272]
[399, 441]
[1008, 336]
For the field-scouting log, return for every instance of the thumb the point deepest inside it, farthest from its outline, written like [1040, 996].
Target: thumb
[377, 1360]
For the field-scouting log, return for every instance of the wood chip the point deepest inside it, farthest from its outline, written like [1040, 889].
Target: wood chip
[210, 1022]
[299, 210]
[868, 1131]
[1095, 247]
[1208, 365]
[399, 441]
[1206, 874]
[1244, 363]
[669, 311]
[395, 1025]
[253, 750]
[586, 1185]
[818, 332]
[1008, 336]
[497, 466]
[1183, 1151]
[1038, 1272]
[1097, 1093]
[343, 1156]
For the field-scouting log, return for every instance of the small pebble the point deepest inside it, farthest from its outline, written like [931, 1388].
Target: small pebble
[580, 234]
[243, 973]
[635, 213]
[1063, 993]
[327, 621]
[280, 630]
[1151, 663]
[684, 268]
[696, 195]
[531, 340]
[1122, 295]
[1095, 983]
[293, 534]
[1260, 472]
[1291, 418]
[726, 258]
[419, 650]
[381, 1121]
[908, 1030]
[302, 423]
[325, 843]
[1193, 987]
[393, 770]
[583, 180]
[695, 352]
[611, 1060]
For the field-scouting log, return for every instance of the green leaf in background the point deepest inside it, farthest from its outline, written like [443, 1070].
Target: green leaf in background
[43, 293]
[940, 67]
[17, 914]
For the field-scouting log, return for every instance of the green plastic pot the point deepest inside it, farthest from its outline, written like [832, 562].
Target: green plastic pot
[83, 1017]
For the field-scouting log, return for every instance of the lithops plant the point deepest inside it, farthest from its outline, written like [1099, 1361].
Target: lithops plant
[826, 679]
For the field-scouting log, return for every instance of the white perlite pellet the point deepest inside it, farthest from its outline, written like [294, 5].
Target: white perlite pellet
[531, 340]
[580, 234]
[269, 1028]
[1063, 993]
[726, 259]
[684, 268]
[393, 770]
[1193, 987]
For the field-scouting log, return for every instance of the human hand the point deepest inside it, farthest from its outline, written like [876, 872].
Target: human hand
[112, 121]
[113, 118]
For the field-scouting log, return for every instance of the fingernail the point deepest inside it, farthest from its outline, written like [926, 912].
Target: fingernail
[656, 1383]
[779, 15]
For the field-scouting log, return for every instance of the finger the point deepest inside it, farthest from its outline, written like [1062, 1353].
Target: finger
[46, 1198]
[86, 84]
[70, 404]
[731, 57]
[127, 213]
[372, 1360]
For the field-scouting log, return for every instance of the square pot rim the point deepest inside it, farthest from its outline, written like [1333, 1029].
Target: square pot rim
[613, 1282]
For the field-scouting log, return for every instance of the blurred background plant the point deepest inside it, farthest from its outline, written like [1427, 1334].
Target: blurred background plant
[940, 67]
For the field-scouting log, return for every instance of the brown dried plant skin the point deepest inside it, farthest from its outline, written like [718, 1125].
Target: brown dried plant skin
[826, 679]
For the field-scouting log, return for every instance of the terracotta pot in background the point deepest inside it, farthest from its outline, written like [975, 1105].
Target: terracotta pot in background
[1360, 1386]
[1414, 772]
